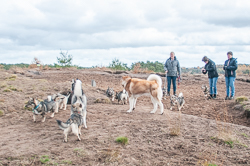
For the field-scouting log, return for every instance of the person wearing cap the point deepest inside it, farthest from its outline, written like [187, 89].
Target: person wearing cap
[172, 71]
[230, 67]
[211, 69]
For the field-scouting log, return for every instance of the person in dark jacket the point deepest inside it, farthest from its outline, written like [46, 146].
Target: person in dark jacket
[172, 70]
[230, 66]
[210, 68]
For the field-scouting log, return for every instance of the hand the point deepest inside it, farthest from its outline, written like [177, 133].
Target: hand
[225, 67]
[166, 72]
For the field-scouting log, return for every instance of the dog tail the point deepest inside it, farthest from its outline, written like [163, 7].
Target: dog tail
[180, 94]
[62, 125]
[154, 77]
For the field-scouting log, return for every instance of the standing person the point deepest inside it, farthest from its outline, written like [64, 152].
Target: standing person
[172, 71]
[230, 66]
[210, 68]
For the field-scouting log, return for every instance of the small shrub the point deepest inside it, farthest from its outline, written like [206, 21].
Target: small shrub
[230, 143]
[12, 77]
[122, 140]
[28, 108]
[1, 113]
[175, 131]
[79, 152]
[244, 134]
[66, 162]
[241, 99]
[3, 85]
[109, 155]
[106, 101]
[44, 159]
[7, 90]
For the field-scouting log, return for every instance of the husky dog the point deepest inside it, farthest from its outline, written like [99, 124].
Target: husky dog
[205, 91]
[110, 93]
[62, 100]
[42, 108]
[74, 124]
[79, 102]
[177, 100]
[164, 92]
[138, 87]
[122, 96]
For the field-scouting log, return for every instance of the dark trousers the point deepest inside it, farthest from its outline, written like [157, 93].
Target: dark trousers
[173, 78]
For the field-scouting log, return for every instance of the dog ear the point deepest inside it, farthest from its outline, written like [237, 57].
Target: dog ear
[80, 105]
[73, 105]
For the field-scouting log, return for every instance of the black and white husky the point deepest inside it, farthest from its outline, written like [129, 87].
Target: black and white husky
[177, 100]
[79, 101]
[42, 108]
[74, 124]
[122, 96]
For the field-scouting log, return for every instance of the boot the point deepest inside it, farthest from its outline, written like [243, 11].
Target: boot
[227, 98]
[211, 96]
[214, 96]
[175, 93]
[168, 94]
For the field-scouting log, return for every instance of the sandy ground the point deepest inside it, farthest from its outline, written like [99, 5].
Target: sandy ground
[151, 140]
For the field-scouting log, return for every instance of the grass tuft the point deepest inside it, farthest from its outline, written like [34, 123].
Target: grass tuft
[241, 99]
[122, 140]
[1, 113]
[44, 159]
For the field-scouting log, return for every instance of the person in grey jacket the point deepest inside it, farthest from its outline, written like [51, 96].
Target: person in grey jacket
[172, 70]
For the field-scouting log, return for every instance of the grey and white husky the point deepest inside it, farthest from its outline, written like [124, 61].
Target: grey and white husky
[205, 91]
[110, 93]
[42, 108]
[122, 96]
[177, 100]
[79, 101]
[74, 124]
[61, 99]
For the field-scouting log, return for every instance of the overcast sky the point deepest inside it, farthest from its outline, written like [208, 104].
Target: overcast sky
[96, 32]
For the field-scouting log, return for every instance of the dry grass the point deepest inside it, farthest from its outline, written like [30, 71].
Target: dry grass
[137, 69]
[175, 129]
[1, 113]
[207, 158]
[33, 66]
[12, 77]
[110, 155]
[225, 129]
[243, 70]
[17, 70]
[101, 100]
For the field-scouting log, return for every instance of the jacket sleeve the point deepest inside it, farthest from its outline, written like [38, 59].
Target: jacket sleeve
[165, 66]
[234, 66]
[225, 65]
[205, 72]
[178, 68]
[211, 67]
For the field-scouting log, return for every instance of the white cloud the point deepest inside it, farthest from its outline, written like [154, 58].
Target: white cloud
[95, 32]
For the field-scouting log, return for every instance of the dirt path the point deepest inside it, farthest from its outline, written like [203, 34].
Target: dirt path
[150, 142]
